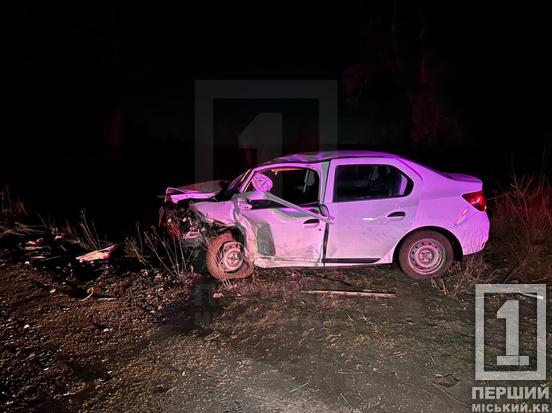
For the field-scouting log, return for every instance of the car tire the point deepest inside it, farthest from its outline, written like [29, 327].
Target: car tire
[213, 259]
[425, 254]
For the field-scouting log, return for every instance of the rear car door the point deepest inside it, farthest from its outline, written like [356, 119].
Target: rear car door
[373, 203]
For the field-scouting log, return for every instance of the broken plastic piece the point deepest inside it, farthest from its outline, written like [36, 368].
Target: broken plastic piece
[97, 255]
[38, 243]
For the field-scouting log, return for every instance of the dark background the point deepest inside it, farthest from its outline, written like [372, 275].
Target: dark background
[97, 102]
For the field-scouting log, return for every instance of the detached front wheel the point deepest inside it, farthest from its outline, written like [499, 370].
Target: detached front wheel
[225, 258]
[425, 254]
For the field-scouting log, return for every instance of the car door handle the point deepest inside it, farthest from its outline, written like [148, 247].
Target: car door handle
[312, 222]
[397, 214]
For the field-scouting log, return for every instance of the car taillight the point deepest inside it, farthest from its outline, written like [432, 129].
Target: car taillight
[477, 199]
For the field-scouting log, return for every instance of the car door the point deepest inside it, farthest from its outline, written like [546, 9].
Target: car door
[287, 232]
[372, 202]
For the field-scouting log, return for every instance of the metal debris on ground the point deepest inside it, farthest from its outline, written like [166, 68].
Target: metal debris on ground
[98, 255]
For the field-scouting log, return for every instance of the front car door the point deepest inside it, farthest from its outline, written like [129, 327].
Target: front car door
[284, 235]
[372, 202]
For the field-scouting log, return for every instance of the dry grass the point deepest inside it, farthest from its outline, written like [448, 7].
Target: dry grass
[154, 250]
[13, 209]
[83, 232]
[521, 229]
[464, 275]
[283, 282]
[135, 249]
[12, 213]
[520, 246]
[87, 235]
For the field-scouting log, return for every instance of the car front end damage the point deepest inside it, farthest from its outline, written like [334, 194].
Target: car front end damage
[200, 222]
[206, 225]
[179, 222]
[184, 222]
[176, 217]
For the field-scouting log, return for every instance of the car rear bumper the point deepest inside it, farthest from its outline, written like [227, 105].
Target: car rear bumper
[473, 233]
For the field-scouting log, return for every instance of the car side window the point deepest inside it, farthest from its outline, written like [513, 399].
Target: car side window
[361, 182]
[299, 186]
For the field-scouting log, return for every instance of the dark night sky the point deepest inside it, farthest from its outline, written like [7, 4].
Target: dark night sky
[71, 74]
[68, 69]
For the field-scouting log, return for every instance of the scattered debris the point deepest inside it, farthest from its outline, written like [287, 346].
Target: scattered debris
[364, 293]
[38, 258]
[34, 245]
[450, 395]
[446, 381]
[212, 336]
[299, 387]
[98, 255]
[90, 293]
[99, 297]
[217, 295]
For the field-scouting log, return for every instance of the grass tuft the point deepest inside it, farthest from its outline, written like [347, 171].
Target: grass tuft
[154, 250]
[12, 209]
[521, 229]
[464, 275]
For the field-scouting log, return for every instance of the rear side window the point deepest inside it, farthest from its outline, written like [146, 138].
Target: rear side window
[360, 182]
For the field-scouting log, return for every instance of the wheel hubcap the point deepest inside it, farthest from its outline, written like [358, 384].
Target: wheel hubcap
[230, 256]
[427, 256]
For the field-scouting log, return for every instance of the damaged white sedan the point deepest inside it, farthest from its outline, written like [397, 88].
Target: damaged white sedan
[341, 208]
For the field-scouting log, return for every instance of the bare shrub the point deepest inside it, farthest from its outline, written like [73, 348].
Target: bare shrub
[12, 212]
[18, 229]
[464, 275]
[87, 235]
[154, 250]
[82, 232]
[12, 209]
[521, 228]
[134, 249]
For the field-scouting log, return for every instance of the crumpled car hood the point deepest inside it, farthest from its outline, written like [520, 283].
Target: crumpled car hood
[201, 190]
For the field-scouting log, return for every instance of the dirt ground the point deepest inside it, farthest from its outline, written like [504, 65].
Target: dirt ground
[141, 342]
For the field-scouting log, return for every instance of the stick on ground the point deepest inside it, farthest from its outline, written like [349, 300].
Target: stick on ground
[372, 294]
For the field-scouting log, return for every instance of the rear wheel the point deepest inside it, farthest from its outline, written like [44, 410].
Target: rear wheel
[425, 254]
[226, 260]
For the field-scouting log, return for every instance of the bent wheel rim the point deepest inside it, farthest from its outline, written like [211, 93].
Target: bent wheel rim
[230, 256]
[426, 256]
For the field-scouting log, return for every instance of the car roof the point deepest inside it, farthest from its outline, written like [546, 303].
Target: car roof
[310, 157]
